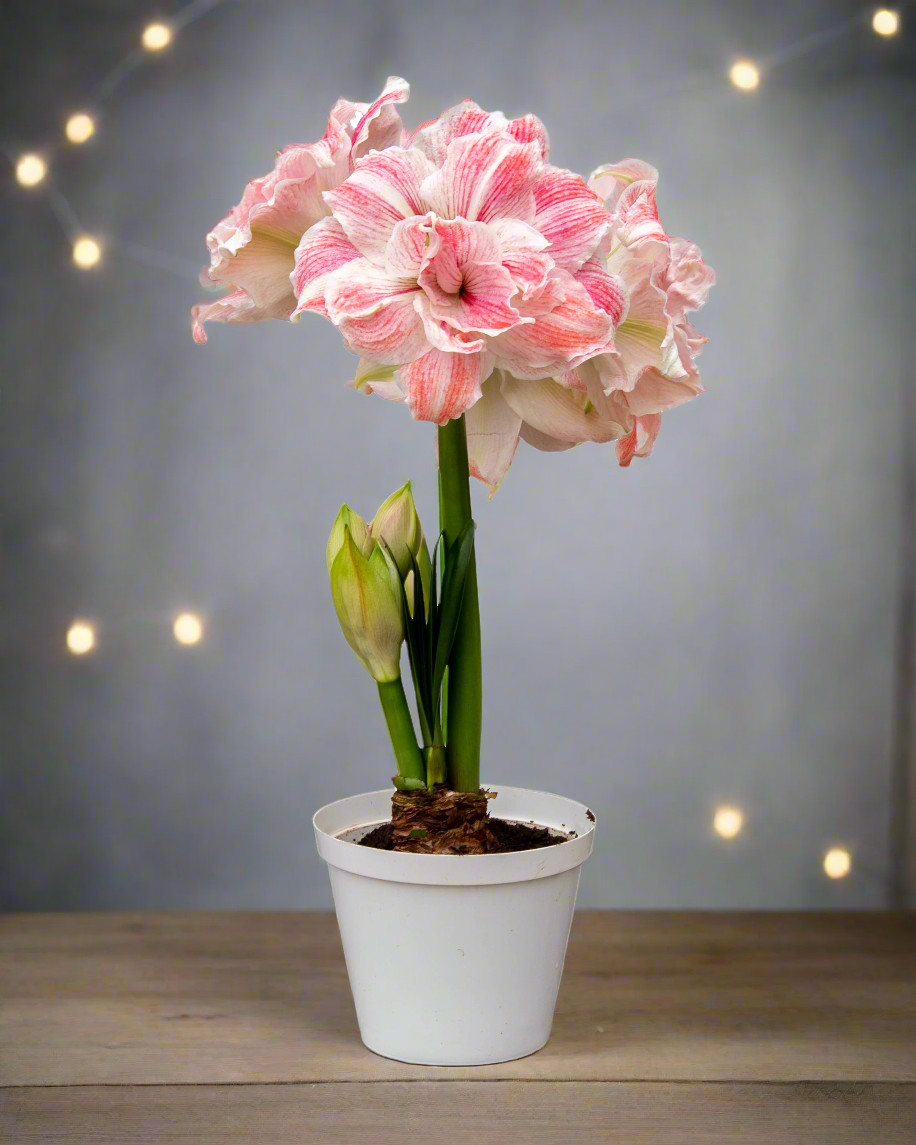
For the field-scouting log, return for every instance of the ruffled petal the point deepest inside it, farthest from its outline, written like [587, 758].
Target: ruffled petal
[441, 386]
[485, 177]
[523, 255]
[573, 330]
[687, 279]
[407, 248]
[380, 125]
[235, 307]
[612, 179]
[560, 413]
[467, 118]
[324, 249]
[382, 190]
[570, 216]
[640, 440]
[262, 268]
[629, 193]
[607, 291]
[492, 429]
[372, 378]
[640, 338]
[654, 393]
[360, 289]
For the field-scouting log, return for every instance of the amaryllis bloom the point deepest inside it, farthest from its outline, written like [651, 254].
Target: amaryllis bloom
[459, 254]
[472, 276]
[252, 248]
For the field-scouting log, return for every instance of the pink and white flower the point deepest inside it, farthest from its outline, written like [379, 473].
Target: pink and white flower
[458, 254]
[473, 277]
[252, 248]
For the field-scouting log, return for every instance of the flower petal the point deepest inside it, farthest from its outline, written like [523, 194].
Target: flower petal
[380, 126]
[640, 440]
[382, 190]
[492, 429]
[324, 249]
[465, 118]
[371, 378]
[523, 254]
[234, 307]
[485, 177]
[640, 337]
[262, 268]
[612, 179]
[687, 278]
[408, 245]
[441, 386]
[654, 393]
[569, 216]
[481, 306]
[607, 291]
[573, 330]
[558, 412]
[360, 289]
[543, 441]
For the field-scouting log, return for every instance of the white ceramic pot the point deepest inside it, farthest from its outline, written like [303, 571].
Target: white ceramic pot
[454, 959]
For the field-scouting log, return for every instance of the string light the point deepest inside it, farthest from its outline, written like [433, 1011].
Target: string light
[885, 22]
[188, 628]
[837, 863]
[744, 75]
[80, 127]
[80, 638]
[86, 252]
[30, 170]
[727, 822]
[156, 37]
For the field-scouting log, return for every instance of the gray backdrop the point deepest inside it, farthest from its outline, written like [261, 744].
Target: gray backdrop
[717, 624]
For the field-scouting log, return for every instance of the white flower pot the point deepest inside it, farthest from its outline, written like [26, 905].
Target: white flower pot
[454, 959]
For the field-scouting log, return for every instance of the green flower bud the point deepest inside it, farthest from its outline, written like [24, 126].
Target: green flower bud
[398, 525]
[359, 531]
[367, 598]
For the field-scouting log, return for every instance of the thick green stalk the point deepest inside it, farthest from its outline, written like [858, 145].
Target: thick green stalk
[465, 692]
[411, 764]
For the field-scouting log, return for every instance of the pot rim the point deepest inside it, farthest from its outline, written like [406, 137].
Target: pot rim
[517, 803]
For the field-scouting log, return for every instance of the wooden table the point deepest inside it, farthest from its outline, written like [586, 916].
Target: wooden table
[688, 1029]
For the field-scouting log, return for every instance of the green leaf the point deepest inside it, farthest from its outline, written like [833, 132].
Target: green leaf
[457, 560]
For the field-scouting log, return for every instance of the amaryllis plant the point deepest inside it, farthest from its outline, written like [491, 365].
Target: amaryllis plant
[501, 298]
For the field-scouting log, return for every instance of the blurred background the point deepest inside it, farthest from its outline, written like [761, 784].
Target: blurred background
[712, 649]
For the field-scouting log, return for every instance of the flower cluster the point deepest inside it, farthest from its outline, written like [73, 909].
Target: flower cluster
[472, 276]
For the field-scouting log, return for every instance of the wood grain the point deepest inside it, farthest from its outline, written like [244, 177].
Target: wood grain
[230, 998]
[443, 1113]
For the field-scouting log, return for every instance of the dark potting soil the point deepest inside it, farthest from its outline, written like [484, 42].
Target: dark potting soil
[510, 836]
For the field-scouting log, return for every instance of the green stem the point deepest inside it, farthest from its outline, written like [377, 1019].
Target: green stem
[465, 692]
[411, 764]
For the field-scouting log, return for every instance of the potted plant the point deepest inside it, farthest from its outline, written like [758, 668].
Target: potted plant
[501, 298]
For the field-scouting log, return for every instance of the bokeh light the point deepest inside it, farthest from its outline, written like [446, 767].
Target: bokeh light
[745, 75]
[80, 127]
[86, 252]
[156, 37]
[80, 637]
[885, 22]
[837, 863]
[31, 169]
[727, 822]
[188, 628]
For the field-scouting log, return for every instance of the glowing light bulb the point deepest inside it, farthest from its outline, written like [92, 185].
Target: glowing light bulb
[885, 22]
[727, 822]
[80, 127]
[80, 638]
[156, 37]
[745, 75]
[837, 863]
[31, 169]
[188, 628]
[86, 252]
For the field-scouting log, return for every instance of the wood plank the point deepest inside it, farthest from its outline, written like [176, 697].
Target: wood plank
[223, 998]
[442, 1113]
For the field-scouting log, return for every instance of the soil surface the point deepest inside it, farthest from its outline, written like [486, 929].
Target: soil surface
[508, 836]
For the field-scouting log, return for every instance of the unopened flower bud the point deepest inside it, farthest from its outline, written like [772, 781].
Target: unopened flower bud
[398, 525]
[367, 598]
[359, 531]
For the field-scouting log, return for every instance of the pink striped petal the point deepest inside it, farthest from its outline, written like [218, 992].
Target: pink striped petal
[392, 335]
[443, 335]
[485, 177]
[573, 330]
[640, 440]
[261, 268]
[607, 291]
[492, 429]
[408, 245]
[383, 190]
[235, 307]
[324, 249]
[529, 129]
[612, 179]
[442, 386]
[640, 338]
[523, 255]
[654, 393]
[360, 289]
[482, 303]
[569, 216]
[380, 125]
[465, 118]
[686, 280]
